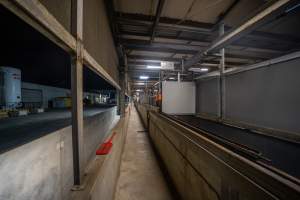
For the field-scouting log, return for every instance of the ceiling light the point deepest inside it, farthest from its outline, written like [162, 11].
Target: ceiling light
[198, 69]
[154, 67]
[171, 78]
[144, 77]
[203, 69]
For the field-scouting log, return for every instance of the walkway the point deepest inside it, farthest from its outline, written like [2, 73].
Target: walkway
[140, 176]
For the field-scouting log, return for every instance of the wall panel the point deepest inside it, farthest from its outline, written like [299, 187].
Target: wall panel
[97, 37]
[267, 97]
[207, 98]
[43, 168]
[178, 97]
[61, 10]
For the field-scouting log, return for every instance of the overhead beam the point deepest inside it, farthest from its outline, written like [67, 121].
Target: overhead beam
[164, 22]
[262, 17]
[178, 60]
[159, 8]
[36, 14]
[142, 71]
[145, 43]
[267, 63]
[98, 69]
[202, 44]
[154, 58]
[143, 63]
[158, 49]
[43, 21]
[194, 27]
[188, 52]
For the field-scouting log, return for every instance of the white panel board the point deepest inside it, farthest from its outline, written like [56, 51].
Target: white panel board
[178, 97]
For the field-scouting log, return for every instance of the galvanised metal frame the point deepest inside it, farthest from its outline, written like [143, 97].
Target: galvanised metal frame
[35, 14]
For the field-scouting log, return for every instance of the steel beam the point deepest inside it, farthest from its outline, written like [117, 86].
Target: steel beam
[262, 17]
[164, 22]
[169, 45]
[122, 93]
[138, 58]
[222, 78]
[276, 45]
[159, 8]
[144, 63]
[244, 68]
[153, 58]
[188, 52]
[201, 29]
[37, 15]
[158, 49]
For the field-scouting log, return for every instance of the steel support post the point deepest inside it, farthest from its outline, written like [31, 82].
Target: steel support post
[122, 94]
[222, 77]
[118, 96]
[77, 93]
[77, 117]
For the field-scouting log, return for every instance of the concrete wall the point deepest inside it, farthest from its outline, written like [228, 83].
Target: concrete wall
[266, 97]
[143, 110]
[207, 97]
[105, 185]
[96, 129]
[43, 168]
[97, 37]
[202, 169]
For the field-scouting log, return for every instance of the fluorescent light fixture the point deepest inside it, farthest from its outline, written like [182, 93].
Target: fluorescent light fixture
[144, 77]
[172, 78]
[154, 67]
[203, 69]
[198, 69]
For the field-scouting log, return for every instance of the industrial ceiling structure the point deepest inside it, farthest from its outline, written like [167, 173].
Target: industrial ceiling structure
[187, 33]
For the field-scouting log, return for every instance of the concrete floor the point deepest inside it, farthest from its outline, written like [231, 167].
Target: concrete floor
[140, 175]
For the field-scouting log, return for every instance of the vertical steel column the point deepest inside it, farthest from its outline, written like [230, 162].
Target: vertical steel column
[161, 89]
[76, 89]
[122, 93]
[118, 102]
[222, 76]
[123, 80]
